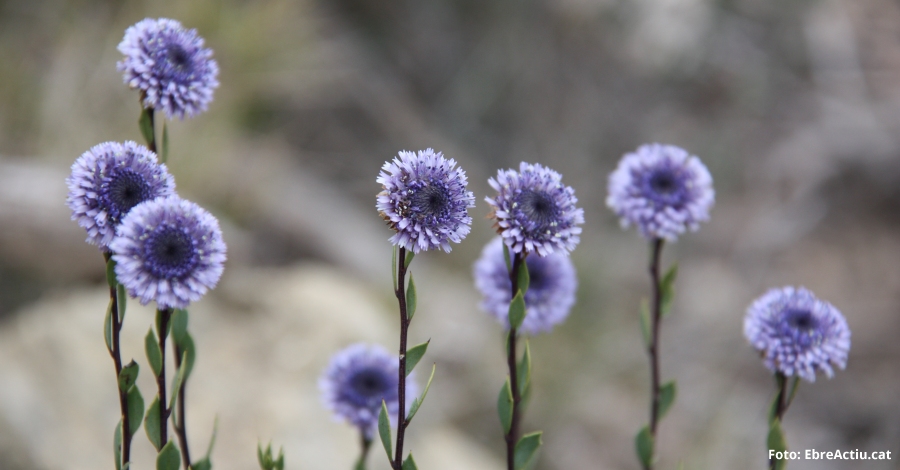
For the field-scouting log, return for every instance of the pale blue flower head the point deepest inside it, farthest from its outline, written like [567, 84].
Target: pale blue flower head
[661, 189]
[797, 334]
[169, 64]
[169, 250]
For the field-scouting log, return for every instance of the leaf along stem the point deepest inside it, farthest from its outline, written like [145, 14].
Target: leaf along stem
[116, 354]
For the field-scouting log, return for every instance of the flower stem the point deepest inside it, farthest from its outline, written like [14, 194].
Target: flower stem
[179, 421]
[365, 444]
[163, 316]
[653, 348]
[513, 435]
[400, 292]
[116, 354]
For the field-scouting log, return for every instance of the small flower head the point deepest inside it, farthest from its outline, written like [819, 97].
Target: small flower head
[169, 250]
[796, 333]
[110, 179]
[358, 378]
[424, 200]
[661, 189]
[550, 295]
[534, 211]
[170, 66]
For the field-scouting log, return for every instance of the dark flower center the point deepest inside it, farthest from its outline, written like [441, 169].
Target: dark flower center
[432, 199]
[178, 57]
[801, 320]
[538, 207]
[126, 190]
[801, 327]
[369, 383]
[665, 186]
[170, 253]
[663, 182]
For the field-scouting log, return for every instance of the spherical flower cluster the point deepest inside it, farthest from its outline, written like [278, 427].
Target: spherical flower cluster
[110, 179]
[661, 189]
[170, 66]
[534, 211]
[169, 250]
[424, 200]
[550, 295]
[796, 333]
[356, 381]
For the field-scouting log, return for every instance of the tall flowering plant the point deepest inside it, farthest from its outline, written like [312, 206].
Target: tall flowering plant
[158, 247]
[797, 335]
[425, 201]
[664, 191]
[534, 213]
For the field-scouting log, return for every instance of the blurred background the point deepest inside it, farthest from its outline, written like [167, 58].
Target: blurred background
[794, 106]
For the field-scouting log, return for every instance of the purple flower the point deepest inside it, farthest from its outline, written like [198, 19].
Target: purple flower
[425, 200]
[661, 189]
[796, 333]
[169, 250]
[110, 179]
[535, 211]
[550, 295]
[358, 378]
[170, 66]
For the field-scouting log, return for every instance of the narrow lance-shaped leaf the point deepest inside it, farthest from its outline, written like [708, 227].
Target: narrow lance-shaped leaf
[505, 406]
[279, 462]
[135, 409]
[117, 445]
[384, 429]
[154, 355]
[146, 126]
[121, 301]
[169, 458]
[409, 257]
[179, 325]
[190, 353]
[526, 449]
[417, 402]
[667, 395]
[411, 298]
[643, 444]
[151, 423]
[128, 375]
[111, 273]
[667, 290]
[524, 278]
[108, 326]
[394, 267]
[517, 310]
[506, 258]
[409, 463]
[646, 323]
[414, 355]
[776, 442]
[523, 370]
[179, 379]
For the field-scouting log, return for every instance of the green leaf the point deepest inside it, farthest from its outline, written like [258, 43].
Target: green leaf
[189, 352]
[159, 314]
[261, 456]
[646, 325]
[506, 258]
[409, 257]
[135, 409]
[643, 444]
[394, 267]
[384, 429]
[121, 300]
[505, 406]
[179, 380]
[411, 298]
[667, 290]
[776, 442]
[279, 462]
[169, 458]
[409, 463]
[212, 439]
[794, 385]
[202, 464]
[154, 355]
[523, 371]
[523, 280]
[179, 325]
[146, 125]
[117, 445]
[151, 423]
[111, 273]
[128, 375]
[108, 326]
[667, 395]
[415, 354]
[417, 402]
[526, 449]
[517, 310]
[773, 405]
[164, 155]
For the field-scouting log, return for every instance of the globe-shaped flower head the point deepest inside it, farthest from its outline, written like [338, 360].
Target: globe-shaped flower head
[534, 211]
[550, 295]
[110, 179]
[170, 66]
[358, 378]
[169, 250]
[425, 200]
[796, 333]
[662, 189]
